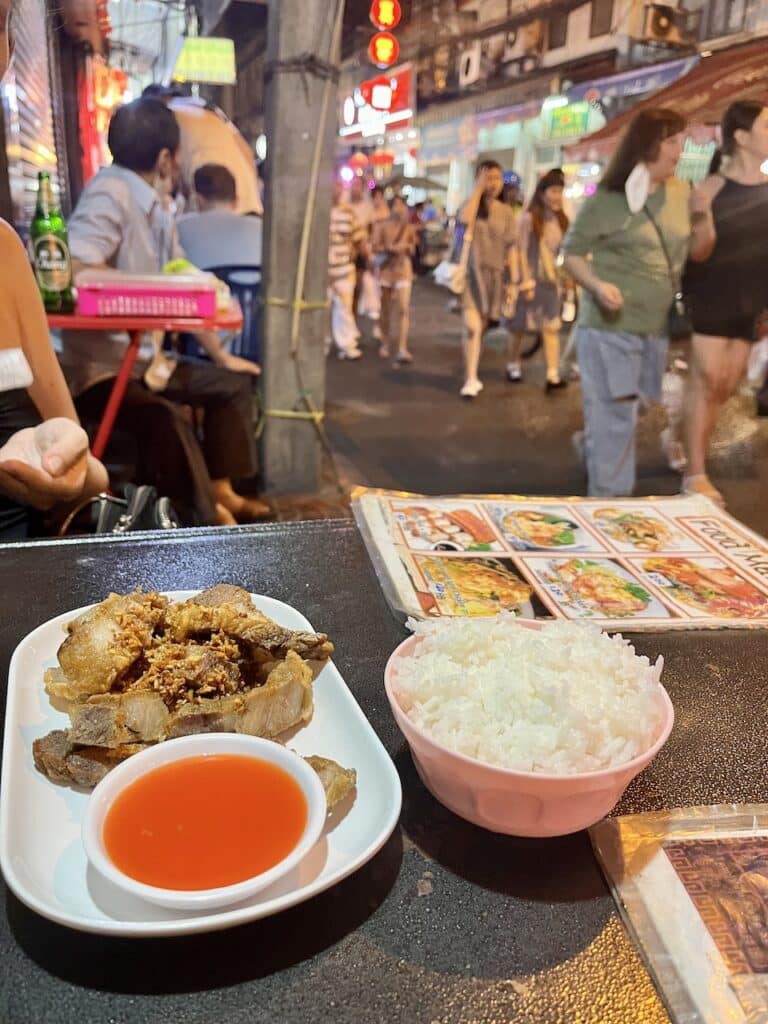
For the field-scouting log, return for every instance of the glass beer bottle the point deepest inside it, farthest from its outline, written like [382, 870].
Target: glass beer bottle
[50, 250]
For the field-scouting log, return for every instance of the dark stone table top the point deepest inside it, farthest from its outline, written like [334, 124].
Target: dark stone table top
[448, 923]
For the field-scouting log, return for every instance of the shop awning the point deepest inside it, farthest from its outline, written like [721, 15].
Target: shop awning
[701, 96]
[634, 82]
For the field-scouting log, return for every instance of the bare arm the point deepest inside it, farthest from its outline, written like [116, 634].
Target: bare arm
[407, 245]
[468, 212]
[28, 328]
[703, 234]
[580, 269]
[607, 294]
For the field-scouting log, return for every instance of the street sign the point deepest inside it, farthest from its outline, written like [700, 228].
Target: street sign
[206, 59]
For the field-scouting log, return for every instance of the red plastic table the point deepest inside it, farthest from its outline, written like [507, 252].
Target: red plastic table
[135, 326]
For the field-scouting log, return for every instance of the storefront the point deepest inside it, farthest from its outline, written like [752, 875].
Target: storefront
[526, 137]
[32, 115]
[537, 134]
[703, 93]
[376, 123]
[100, 89]
[448, 151]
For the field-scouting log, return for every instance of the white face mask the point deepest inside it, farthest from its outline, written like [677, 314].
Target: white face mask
[163, 186]
[637, 187]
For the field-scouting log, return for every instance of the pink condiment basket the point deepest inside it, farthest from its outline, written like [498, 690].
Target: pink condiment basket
[161, 295]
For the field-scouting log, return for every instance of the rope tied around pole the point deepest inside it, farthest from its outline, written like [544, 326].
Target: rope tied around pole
[304, 64]
[316, 415]
[301, 305]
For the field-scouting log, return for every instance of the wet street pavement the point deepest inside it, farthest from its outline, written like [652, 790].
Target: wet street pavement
[407, 428]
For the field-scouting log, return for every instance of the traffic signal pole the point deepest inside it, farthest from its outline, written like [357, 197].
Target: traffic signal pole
[303, 48]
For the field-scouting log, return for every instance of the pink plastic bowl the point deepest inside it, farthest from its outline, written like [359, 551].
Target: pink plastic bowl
[516, 803]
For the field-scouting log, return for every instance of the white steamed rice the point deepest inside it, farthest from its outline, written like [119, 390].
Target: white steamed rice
[567, 698]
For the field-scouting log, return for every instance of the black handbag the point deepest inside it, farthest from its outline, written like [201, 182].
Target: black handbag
[679, 323]
[139, 508]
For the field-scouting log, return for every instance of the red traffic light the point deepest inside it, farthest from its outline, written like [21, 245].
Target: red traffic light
[383, 49]
[385, 14]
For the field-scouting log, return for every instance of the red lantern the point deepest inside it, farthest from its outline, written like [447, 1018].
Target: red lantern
[385, 14]
[382, 161]
[358, 161]
[383, 49]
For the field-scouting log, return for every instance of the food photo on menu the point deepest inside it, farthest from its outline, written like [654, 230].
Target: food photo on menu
[444, 527]
[594, 588]
[638, 529]
[468, 586]
[706, 586]
[543, 527]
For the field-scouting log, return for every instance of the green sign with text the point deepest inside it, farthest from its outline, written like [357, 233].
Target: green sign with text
[565, 122]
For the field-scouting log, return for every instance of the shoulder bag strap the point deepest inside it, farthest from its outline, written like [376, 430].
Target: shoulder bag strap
[665, 250]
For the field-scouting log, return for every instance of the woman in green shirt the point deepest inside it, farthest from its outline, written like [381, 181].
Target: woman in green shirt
[639, 228]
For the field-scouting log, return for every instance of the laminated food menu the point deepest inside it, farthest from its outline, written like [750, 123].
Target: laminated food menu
[692, 887]
[652, 563]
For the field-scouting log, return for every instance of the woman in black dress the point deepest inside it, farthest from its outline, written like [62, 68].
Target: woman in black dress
[728, 293]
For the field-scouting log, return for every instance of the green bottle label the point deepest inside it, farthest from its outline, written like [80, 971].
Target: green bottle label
[52, 263]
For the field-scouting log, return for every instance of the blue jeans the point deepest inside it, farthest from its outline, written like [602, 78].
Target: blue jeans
[618, 369]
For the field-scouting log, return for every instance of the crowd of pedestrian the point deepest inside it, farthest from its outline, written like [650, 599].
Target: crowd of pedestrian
[652, 259]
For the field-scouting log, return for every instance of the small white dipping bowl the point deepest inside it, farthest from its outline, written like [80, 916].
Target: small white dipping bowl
[202, 745]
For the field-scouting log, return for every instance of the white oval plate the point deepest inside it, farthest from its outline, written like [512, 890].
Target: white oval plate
[41, 853]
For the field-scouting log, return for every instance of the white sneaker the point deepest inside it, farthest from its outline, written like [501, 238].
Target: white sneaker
[350, 353]
[514, 373]
[673, 450]
[471, 389]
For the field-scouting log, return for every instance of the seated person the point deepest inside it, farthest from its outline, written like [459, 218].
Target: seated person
[218, 236]
[119, 223]
[41, 463]
[208, 136]
[44, 457]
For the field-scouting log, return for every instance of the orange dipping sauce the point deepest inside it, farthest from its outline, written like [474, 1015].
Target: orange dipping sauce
[205, 822]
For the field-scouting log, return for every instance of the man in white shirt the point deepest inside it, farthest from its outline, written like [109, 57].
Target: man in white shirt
[217, 236]
[119, 223]
[367, 297]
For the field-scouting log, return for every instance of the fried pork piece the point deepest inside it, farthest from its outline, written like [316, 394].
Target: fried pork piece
[337, 781]
[104, 643]
[142, 716]
[114, 719]
[183, 672]
[60, 760]
[284, 701]
[57, 758]
[230, 610]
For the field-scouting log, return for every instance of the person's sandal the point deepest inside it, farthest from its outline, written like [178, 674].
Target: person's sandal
[383, 352]
[403, 357]
[700, 484]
